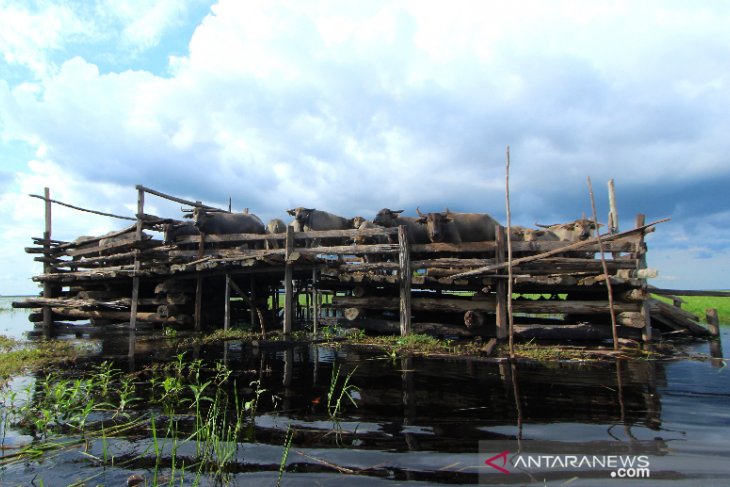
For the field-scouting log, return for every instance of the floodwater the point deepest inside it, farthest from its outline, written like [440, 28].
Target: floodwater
[424, 421]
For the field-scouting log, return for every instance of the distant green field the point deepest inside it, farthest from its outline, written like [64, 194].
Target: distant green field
[698, 305]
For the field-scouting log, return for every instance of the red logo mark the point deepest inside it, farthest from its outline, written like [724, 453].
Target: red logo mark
[503, 456]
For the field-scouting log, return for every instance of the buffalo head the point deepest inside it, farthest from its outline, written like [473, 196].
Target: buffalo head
[435, 223]
[387, 218]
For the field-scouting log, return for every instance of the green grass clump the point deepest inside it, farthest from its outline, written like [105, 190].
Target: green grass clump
[17, 358]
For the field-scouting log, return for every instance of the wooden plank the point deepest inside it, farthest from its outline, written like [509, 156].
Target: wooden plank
[713, 322]
[176, 199]
[500, 289]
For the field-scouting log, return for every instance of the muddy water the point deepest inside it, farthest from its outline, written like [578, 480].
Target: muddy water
[428, 421]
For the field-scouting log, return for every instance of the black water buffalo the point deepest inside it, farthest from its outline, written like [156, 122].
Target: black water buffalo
[273, 227]
[224, 223]
[309, 219]
[391, 218]
[450, 227]
[175, 230]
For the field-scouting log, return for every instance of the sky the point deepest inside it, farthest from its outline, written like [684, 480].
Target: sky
[350, 107]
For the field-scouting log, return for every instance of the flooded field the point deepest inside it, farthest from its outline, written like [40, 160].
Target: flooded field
[265, 414]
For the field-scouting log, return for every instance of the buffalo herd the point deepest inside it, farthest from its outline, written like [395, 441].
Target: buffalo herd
[436, 227]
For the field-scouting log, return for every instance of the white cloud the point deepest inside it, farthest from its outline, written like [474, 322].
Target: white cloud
[352, 108]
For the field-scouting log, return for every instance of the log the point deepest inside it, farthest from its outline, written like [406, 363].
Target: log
[633, 319]
[119, 316]
[475, 319]
[521, 332]
[676, 318]
[352, 314]
[687, 292]
[462, 305]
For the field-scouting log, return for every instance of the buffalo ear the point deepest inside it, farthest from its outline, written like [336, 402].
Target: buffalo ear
[446, 218]
[398, 212]
[292, 212]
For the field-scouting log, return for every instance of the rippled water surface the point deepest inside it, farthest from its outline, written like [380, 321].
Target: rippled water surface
[417, 420]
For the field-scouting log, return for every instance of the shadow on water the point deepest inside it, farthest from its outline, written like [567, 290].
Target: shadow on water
[429, 420]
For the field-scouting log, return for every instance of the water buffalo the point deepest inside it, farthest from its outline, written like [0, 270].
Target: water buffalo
[391, 218]
[456, 228]
[574, 231]
[525, 234]
[223, 223]
[175, 230]
[309, 219]
[273, 227]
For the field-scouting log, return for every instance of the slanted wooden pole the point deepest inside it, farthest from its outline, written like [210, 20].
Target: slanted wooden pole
[510, 318]
[47, 287]
[288, 287]
[713, 326]
[500, 289]
[612, 311]
[404, 268]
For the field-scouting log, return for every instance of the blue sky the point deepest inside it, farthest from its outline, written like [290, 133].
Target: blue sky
[355, 106]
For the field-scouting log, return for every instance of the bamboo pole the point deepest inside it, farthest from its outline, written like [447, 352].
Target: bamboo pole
[611, 309]
[510, 317]
[49, 200]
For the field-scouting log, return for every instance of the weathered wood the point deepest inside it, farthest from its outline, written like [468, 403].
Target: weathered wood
[351, 314]
[502, 319]
[676, 318]
[137, 265]
[288, 285]
[633, 319]
[350, 249]
[72, 303]
[687, 292]
[613, 210]
[404, 276]
[489, 347]
[457, 305]
[119, 316]
[476, 319]
[47, 287]
[139, 187]
[48, 201]
[562, 249]
[713, 322]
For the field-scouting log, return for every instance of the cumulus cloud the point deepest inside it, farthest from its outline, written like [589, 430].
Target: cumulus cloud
[353, 108]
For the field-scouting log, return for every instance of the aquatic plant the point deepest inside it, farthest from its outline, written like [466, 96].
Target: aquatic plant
[285, 454]
[335, 397]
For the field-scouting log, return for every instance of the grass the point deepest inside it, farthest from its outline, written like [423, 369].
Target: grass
[699, 304]
[17, 357]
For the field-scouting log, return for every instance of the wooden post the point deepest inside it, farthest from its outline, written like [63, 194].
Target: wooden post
[227, 312]
[198, 302]
[510, 318]
[47, 288]
[252, 308]
[315, 302]
[640, 255]
[135, 276]
[404, 267]
[288, 288]
[713, 322]
[501, 288]
[613, 212]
